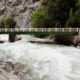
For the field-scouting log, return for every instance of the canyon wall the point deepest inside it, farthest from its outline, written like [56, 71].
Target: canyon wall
[20, 10]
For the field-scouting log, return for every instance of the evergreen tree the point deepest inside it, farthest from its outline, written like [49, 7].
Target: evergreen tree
[58, 10]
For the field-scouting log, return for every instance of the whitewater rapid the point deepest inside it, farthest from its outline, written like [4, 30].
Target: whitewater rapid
[45, 62]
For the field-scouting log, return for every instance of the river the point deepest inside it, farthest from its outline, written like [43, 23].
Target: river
[43, 61]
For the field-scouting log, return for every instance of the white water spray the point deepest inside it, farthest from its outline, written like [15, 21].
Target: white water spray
[46, 62]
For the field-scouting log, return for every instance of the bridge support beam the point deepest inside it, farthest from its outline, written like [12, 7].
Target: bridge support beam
[12, 37]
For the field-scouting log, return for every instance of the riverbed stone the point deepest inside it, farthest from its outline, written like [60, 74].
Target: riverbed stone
[8, 71]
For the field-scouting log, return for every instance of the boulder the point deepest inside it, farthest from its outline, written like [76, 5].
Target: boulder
[77, 40]
[18, 38]
[67, 40]
[8, 71]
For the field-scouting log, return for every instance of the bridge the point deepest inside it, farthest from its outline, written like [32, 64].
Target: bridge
[48, 31]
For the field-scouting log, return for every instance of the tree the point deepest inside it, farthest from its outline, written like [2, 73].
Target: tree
[7, 23]
[58, 10]
[39, 19]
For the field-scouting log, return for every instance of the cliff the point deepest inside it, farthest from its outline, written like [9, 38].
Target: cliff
[20, 10]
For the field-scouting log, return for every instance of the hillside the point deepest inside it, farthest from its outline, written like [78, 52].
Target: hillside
[20, 10]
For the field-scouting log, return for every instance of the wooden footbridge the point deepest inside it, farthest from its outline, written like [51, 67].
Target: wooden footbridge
[51, 31]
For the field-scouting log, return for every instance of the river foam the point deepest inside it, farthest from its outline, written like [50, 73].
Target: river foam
[46, 62]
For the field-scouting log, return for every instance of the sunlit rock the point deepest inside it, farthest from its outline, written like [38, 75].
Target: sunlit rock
[9, 72]
[18, 9]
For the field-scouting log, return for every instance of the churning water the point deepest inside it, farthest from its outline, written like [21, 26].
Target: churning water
[45, 62]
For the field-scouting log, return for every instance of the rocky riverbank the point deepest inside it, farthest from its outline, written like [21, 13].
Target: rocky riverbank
[63, 40]
[8, 71]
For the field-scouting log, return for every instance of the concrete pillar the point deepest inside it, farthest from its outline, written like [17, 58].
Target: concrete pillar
[12, 37]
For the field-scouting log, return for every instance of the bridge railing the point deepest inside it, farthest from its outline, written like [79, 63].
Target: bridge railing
[39, 30]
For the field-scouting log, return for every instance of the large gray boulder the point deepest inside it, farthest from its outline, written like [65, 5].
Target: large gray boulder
[68, 40]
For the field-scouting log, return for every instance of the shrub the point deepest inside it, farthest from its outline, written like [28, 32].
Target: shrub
[39, 19]
[2, 24]
[7, 23]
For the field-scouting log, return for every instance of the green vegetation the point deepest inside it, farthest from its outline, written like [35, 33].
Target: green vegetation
[58, 10]
[7, 23]
[74, 20]
[39, 19]
[57, 13]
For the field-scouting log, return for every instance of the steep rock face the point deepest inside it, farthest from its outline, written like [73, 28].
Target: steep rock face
[19, 9]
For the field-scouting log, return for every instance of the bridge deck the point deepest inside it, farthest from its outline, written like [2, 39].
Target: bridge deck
[51, 31]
